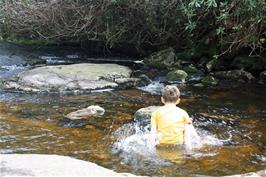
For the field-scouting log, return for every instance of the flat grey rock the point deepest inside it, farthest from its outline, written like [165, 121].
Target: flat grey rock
[50, 165]
[75, 77]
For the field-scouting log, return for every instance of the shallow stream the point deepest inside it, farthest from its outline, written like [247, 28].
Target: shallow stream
[231, 120]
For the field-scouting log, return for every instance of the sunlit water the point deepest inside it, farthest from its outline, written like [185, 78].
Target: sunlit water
[230, 122]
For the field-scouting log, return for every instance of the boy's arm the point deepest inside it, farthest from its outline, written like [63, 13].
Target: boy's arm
[154, 139]
[187, 120]
[154, 122]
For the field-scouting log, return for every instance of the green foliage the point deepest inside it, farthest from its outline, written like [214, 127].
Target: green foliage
[25, 41]
[229, 25]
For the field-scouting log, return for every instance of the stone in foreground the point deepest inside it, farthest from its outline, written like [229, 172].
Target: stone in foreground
[92, 110]
[76, 77]
[50, 165]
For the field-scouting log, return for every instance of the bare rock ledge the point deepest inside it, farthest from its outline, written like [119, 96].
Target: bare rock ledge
[50, 165]
[75, 77]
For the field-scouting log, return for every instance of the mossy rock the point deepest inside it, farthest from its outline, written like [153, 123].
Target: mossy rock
[177, 76]
[209, 80]
[163, 59]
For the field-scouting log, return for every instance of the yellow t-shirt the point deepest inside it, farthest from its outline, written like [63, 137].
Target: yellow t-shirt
[170, 123]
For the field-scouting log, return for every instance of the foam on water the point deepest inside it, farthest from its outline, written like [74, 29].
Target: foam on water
[134, 147]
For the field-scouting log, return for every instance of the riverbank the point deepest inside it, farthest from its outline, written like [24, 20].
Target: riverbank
[200, 70]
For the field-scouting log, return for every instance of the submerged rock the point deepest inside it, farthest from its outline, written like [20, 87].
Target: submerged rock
[86, 112]
[74, 77]
[235, 75]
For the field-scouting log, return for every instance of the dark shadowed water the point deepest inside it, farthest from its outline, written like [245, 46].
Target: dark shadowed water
[230, 120]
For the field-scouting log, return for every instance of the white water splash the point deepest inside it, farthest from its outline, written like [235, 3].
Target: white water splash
[133, 144]
[192, 139]
[131, 138]
[134, 147]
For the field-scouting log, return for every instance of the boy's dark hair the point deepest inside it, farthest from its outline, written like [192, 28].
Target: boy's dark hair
[170, 93]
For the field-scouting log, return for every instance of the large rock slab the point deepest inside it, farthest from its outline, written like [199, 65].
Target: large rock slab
[86, 76]
[50, 165]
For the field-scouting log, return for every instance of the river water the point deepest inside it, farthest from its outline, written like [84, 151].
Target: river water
[230, 120]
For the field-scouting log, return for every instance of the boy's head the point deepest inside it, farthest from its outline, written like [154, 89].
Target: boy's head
[170, 94]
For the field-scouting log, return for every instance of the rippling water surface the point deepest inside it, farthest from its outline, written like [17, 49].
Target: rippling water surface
[230, 121]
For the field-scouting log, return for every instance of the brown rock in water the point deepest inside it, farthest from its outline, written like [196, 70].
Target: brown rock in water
[93, 110]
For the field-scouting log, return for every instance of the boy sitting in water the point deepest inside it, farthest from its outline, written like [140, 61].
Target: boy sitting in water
[168, 122]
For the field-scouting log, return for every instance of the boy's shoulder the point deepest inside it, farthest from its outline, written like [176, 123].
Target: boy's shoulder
[166, 108]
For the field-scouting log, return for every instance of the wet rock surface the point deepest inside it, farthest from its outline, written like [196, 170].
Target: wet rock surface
[73, 77]
[93, 110]
[51, 165]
